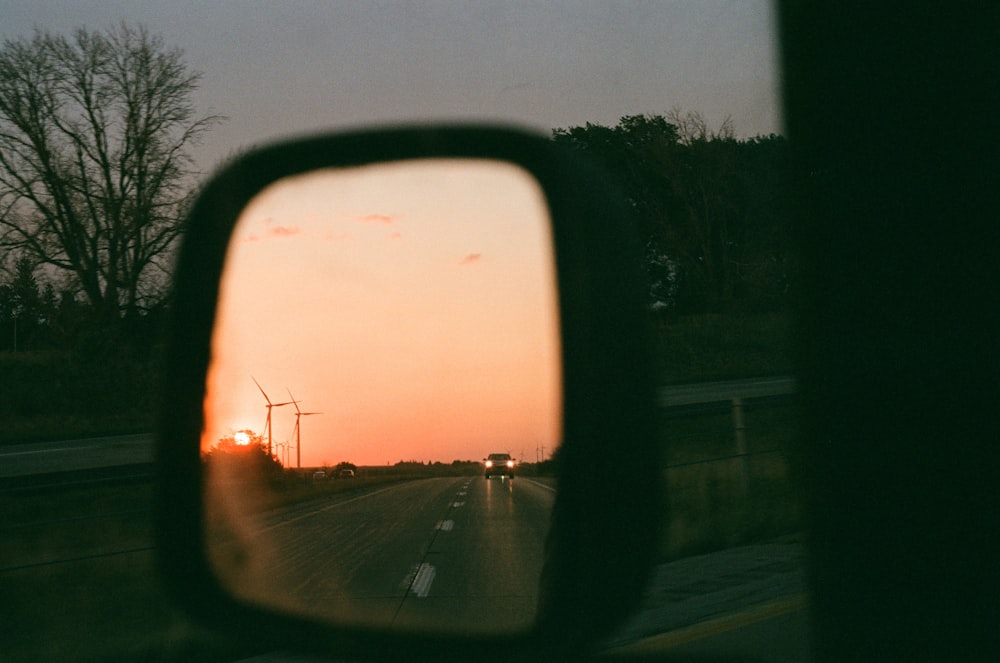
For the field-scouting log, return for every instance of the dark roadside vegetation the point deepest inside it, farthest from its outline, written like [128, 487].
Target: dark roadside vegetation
[76, 561]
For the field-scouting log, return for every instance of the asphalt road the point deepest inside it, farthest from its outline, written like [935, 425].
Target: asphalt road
[747, 603]
[451, 554]
[465, 555]
[21, 460]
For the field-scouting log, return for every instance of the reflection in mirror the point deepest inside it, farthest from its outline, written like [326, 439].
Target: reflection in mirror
[381, 331]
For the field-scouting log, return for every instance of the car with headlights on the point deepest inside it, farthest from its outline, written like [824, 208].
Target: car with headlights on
[501, 465]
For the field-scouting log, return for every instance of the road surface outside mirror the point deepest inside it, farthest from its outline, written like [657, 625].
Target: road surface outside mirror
[381, 330]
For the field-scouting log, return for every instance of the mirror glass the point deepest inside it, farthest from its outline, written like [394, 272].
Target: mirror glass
[387, 336]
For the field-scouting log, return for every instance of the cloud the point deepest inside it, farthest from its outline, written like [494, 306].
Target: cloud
[470, 259]
[396, 236]
[271, 230]
[284, 231]
[376, 218]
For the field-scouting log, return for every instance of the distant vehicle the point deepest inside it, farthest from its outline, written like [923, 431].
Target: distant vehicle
[319, 474]
[345, 474]
[499, 465]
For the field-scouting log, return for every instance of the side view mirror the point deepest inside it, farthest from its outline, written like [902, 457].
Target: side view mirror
[425, 294]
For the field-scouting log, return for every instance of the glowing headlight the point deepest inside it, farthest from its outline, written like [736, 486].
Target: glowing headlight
[489, 463]
[510, 463]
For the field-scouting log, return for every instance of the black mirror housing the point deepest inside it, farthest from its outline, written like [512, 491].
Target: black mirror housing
[602, 542]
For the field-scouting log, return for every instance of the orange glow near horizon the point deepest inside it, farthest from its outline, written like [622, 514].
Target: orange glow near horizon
[412, 304]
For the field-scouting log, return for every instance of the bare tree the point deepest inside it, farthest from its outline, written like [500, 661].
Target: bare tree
[692, 127]
[95, 172]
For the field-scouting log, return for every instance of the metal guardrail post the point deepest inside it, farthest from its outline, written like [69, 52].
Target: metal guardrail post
[734, 392]
[739, 431]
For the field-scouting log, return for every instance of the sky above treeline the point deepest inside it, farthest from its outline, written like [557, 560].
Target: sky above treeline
[281, 68]
[419, 325]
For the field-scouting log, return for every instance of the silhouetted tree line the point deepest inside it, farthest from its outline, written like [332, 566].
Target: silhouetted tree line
[713, 210]
[67, 372]
[248, 463]
[36, 315]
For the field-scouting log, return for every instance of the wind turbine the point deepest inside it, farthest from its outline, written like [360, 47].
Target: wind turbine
[298, 431]
[267, 423]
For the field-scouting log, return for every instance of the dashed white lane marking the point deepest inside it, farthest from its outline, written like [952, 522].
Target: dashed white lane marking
[422, 581]
[457, 504]
[446, 525]
[462, 493]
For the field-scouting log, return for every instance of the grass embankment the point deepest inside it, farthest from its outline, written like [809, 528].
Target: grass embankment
[727, 500]
[53, 395]
[79, 581]
[703, 348]
[717, 499]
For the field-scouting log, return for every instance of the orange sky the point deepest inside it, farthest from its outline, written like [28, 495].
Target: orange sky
[412, 304]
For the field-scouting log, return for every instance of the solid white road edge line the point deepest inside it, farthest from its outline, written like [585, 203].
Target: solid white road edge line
[540, 485]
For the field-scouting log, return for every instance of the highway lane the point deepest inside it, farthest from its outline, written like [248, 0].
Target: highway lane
[17, 460]
[460, 554]
[748, 603]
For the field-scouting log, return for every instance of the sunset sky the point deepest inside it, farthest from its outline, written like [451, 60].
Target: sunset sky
[412, 305]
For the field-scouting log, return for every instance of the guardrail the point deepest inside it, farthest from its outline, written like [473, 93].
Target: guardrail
[725, 390]
[731, 395]
[727, 470]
